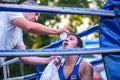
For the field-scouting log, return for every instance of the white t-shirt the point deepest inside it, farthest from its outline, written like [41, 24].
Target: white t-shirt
[10, 35]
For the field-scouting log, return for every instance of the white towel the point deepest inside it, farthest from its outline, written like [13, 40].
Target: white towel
[50, 72]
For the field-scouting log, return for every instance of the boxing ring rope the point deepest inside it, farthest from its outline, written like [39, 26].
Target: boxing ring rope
[10, 62]
[58, 51]
[83, 33]
[57, 10]
[26, 77]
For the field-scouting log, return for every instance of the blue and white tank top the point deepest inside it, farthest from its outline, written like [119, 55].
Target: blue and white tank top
[74, 74]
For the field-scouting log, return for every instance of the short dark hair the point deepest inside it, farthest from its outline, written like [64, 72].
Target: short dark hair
[29, 3]
[80, 43]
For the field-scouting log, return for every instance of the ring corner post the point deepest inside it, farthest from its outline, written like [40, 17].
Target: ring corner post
[109, 35]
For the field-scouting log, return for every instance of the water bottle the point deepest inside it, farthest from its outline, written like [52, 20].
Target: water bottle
[63, 35]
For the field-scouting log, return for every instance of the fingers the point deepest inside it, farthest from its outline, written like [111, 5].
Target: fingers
[67, 30]
[51, 58]
[57, 61]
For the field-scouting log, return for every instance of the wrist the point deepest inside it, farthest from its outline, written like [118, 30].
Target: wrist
[48, 60]
[56, 32]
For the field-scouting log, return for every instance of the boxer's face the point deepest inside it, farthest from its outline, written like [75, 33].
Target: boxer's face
[70, 42]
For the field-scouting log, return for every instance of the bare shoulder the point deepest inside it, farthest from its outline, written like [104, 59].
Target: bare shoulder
[85, 63]
[86, 71]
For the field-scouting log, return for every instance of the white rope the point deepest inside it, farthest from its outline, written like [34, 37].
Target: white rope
[55, 52]
[55, 9]
[26, 77]
[10, 62]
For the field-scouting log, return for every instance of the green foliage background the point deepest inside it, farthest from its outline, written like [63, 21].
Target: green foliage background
[37, 41]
